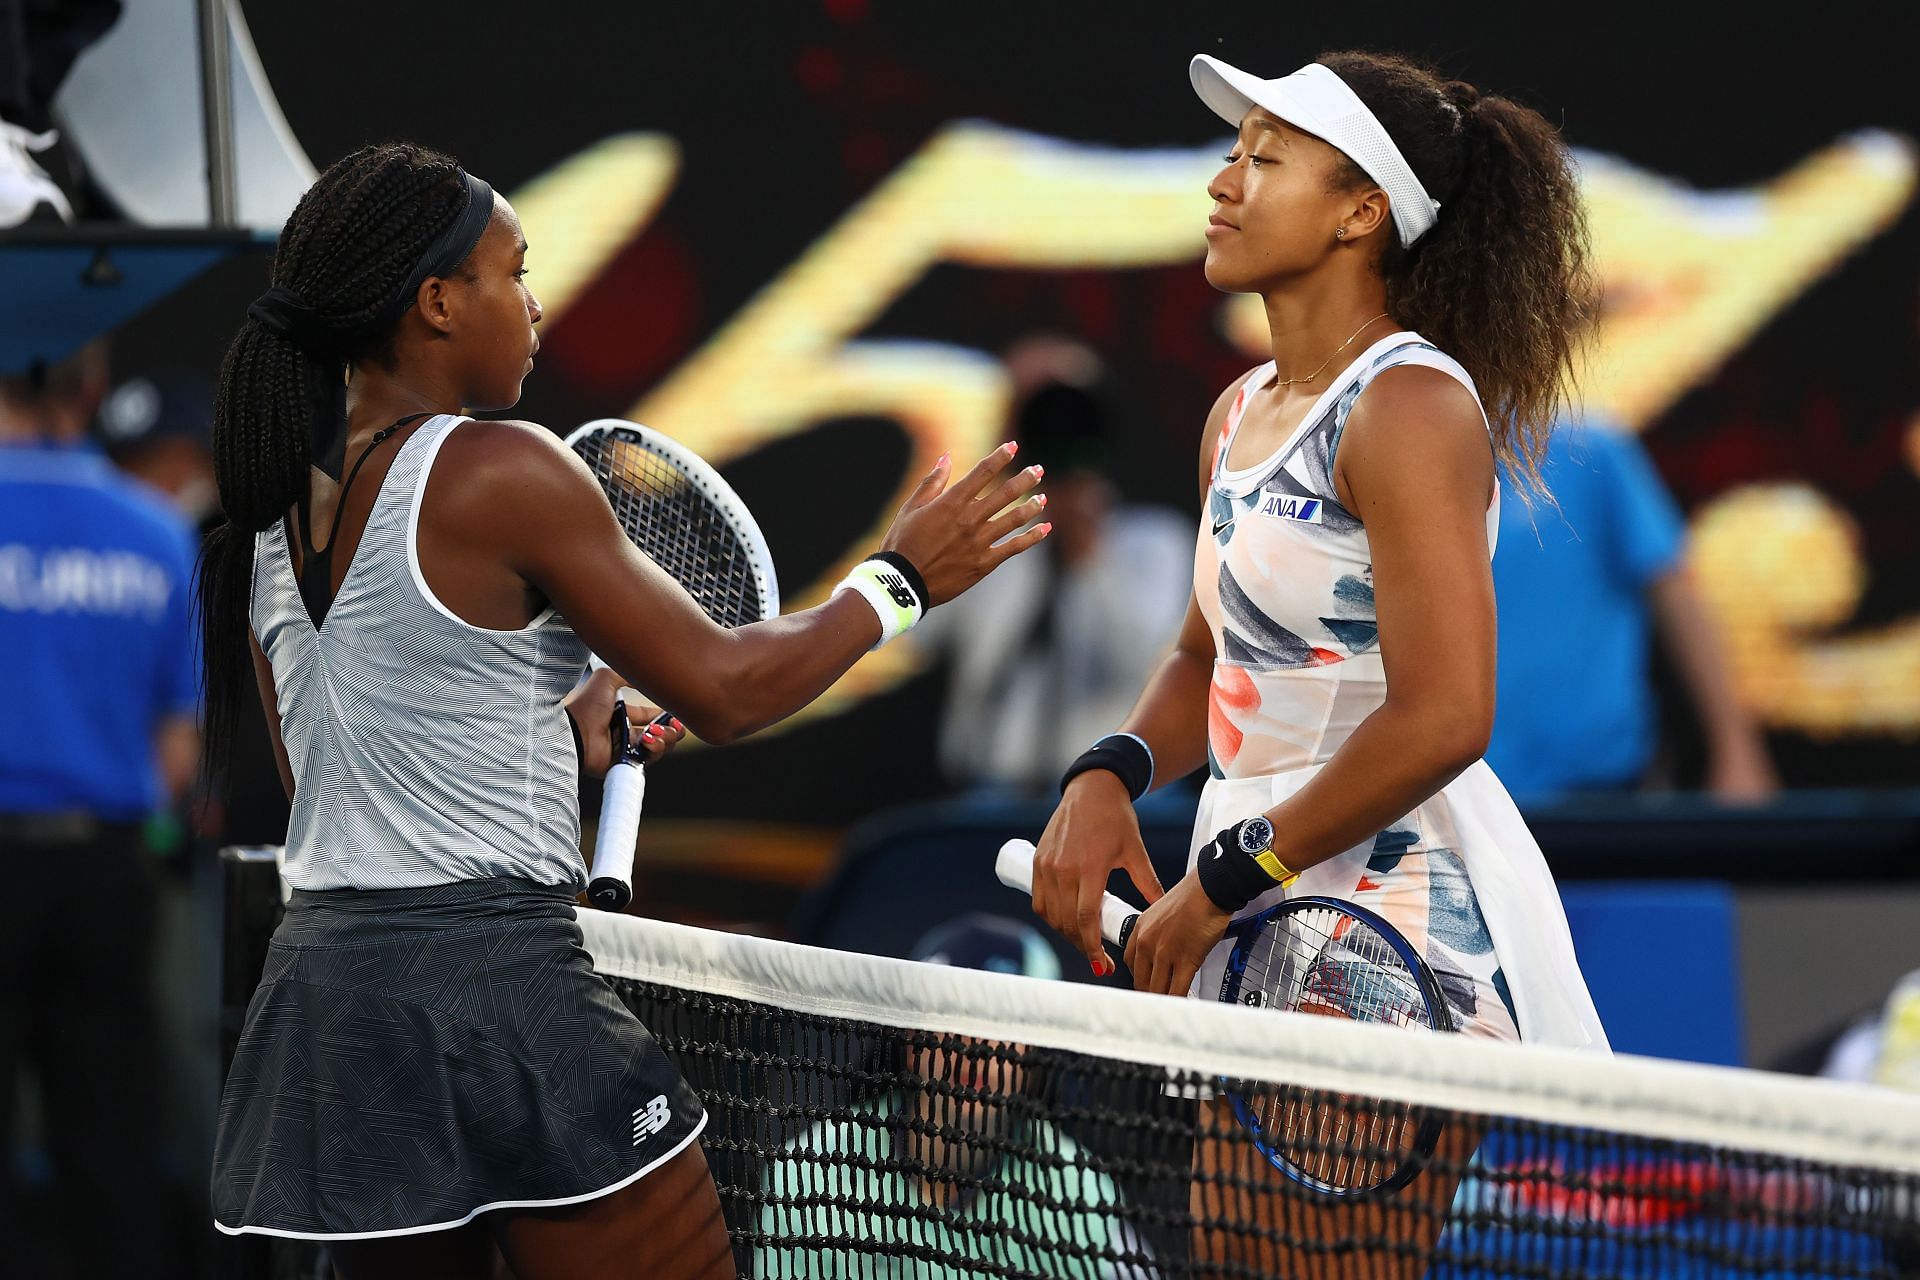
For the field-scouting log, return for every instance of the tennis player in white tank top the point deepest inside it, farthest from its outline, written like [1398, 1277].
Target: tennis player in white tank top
[1335, 673]
[1420, 250]
[430, 1071]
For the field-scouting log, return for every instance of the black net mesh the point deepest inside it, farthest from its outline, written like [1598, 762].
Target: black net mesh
[846, 1148]
[674, 519]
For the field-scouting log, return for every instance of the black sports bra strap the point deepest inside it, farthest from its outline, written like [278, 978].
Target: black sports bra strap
[316, 563]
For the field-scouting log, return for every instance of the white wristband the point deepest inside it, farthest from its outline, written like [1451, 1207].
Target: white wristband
[887, 590]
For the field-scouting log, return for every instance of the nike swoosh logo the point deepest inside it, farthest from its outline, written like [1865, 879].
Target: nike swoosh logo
[1218, 529]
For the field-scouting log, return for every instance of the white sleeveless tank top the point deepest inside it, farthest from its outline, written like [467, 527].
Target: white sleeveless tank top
[1283, 574]
[425, 750]
[1284, 577]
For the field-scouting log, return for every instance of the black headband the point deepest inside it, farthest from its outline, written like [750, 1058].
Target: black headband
[444, 256]
[288, 314]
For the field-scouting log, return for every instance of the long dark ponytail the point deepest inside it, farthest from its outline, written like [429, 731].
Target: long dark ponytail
[1502, 281]
[345, 253]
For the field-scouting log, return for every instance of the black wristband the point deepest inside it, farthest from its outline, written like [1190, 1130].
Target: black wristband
[915, 583]
[1121, 754]
[1229, 874]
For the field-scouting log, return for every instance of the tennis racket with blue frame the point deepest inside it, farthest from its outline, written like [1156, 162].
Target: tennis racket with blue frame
[1322, 956]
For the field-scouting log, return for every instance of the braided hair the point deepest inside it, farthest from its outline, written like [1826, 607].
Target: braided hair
[1502, 282]
[346, 251]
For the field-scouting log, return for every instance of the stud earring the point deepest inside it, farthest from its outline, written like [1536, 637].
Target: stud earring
[1339, 233]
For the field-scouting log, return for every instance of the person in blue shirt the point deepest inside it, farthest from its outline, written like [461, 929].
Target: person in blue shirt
[98, 682]
[1583, 583]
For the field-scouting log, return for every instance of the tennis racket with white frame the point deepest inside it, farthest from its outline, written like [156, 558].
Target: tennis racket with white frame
[1319, 956]
[685, 518]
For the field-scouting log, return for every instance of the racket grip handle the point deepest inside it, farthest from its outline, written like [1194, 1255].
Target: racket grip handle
[1014, 866]
[610, 886]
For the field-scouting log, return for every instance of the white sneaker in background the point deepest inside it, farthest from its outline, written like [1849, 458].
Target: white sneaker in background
[24, 185]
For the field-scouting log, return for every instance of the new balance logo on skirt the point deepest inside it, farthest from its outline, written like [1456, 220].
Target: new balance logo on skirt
[650, 1119]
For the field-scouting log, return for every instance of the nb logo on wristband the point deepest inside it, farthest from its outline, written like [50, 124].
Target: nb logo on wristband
[897, 590]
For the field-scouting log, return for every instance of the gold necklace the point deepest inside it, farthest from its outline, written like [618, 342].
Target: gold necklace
[1287, 382]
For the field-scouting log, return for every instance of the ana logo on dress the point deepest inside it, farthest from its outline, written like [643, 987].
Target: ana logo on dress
[650, 1119]
[1284, 506]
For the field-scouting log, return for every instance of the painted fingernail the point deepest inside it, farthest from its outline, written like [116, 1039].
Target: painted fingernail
[1038, 471]
[1012, 447]
[1045, 529]
[1043, 499]
[677, 724]
[943, 460]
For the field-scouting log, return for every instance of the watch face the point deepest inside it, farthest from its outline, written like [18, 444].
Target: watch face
[1256, 835]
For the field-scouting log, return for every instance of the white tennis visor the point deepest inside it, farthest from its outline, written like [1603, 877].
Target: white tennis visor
[1319, 102]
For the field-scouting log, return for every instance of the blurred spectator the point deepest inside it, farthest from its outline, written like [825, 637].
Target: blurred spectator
[98, 676]
[969, 1177]
[1582, 581]
[159, 430]
[1049, 652]
[39, 40]
[1880, 1045]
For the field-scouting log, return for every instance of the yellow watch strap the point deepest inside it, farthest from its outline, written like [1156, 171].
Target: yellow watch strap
[1270, 863]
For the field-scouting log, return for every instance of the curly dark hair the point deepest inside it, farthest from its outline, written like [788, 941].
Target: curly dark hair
[347, 251]
[1501, 282]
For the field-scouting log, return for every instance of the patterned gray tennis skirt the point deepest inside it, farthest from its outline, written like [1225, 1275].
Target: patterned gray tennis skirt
[415, 1057]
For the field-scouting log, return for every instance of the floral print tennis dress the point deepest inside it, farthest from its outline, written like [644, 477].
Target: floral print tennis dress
[1284, 576]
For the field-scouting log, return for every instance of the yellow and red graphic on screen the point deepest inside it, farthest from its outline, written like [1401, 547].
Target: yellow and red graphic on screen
[1687, 278]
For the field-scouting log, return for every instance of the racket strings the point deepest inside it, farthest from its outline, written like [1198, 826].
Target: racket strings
[1324, 961]
[676, 525]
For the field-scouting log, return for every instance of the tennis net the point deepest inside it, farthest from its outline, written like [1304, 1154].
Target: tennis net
[872, 1117]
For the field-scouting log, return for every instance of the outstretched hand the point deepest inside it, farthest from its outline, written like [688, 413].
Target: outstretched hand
[957, 533]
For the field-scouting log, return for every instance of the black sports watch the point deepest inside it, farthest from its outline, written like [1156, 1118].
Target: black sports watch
[1240, 864]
